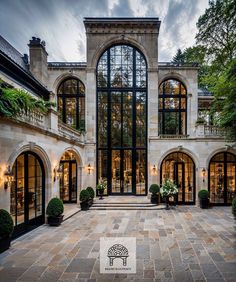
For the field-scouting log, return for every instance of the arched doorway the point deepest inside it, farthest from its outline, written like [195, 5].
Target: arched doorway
[68, 180]
[180, 168]
[222, 178]
[122, 120]
[27, 193]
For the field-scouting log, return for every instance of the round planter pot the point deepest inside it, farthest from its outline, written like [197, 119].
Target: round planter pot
[90, 202]
[100, 193]
[204, 203]
[84, 206]
[55, 220]
[5, 244]
[155, 199]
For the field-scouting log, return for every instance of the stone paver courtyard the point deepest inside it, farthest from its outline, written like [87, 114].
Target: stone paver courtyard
[183, 244]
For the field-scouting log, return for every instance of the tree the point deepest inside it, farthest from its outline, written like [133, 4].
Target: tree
[217, 32]
[178, 58]
[225, 101]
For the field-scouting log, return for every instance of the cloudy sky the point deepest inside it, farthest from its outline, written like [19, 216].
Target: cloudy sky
[60, 23]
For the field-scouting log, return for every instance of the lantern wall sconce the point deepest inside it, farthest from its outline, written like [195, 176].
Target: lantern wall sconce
[58, 171]
[89, 168]
[203, 174]
[9, 177]
[154, 169]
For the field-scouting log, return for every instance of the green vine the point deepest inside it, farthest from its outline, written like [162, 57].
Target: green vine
[16, 102]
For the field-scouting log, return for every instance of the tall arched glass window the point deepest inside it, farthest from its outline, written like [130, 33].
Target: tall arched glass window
[122, 120]
[172, 108]
[71, 103]
[222, 178]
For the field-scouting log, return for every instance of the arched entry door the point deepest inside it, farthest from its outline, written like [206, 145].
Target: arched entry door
[68, 181]
[27, 193]
[180, 168]
[122, 120]
[222, 178]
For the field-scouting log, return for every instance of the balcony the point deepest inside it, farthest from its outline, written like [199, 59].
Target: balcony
[51, 125]
[209, 131]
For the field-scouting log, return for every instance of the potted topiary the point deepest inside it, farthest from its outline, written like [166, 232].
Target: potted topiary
[91, 195]
[84, 200]
[100, 188]
[55, 211]
[234, 207]
[168, 189]
[204, 198]
[6, 229]
[155, 190]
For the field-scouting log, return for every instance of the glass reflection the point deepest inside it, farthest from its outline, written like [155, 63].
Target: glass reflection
[179, 167]
[172, 108]
[222, 178]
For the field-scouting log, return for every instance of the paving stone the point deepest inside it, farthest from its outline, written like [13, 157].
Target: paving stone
[33, 273]
[81, 265]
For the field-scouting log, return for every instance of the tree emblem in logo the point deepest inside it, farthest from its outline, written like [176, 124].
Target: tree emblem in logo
[117, 251]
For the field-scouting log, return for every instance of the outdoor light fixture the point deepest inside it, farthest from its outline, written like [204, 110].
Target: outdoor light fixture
[89, 168]
[154, 169]
[9, 175]
[57, 172]
[203, 174]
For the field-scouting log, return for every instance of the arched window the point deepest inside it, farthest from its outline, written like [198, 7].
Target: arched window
[172, 108]
[180, 168]
[122, 120]
[222, 178]
[71, 103]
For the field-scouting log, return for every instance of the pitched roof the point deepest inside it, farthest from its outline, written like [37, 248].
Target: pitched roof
[12, 53]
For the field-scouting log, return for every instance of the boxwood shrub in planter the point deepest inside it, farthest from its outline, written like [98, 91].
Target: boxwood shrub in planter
[155, 190]
[204, 199]
[234, 207]
[54, 211]
[84, 200]
[91, 195]
[6, 229]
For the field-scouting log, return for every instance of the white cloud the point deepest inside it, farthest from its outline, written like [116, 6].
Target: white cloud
[60, 23]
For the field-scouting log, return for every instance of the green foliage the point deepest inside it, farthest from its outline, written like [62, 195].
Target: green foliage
[168, 188]
[203, 194]
[91, 192]
[101, 185]
[15, 102]
[55, 207]
[224, 89]
[84, 195]
[217, 31]
[234, 206]
[6, 224]
[154, 189]
[179, 57]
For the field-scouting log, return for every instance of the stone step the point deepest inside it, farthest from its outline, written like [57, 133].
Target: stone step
[125, 204]
[127, 207]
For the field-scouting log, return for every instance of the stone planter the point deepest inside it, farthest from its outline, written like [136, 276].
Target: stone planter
[5, 244]
[55, 220]
[155, 199]
[84, 205]
[204, 203]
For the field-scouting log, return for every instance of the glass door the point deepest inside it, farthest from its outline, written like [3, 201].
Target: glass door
[68, 182]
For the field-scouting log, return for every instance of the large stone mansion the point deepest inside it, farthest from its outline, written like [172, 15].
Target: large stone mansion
[121, 117]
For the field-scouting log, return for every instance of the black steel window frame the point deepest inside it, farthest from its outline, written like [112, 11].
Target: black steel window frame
[29, 224]
[108, 89]
[79, 95]
[224, 163]
[175, 172]
[163, 110]
[70, 162]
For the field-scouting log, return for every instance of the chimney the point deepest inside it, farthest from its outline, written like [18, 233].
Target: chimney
[38, 59]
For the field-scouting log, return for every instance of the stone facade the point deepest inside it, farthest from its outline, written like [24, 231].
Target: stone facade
[48, 137]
